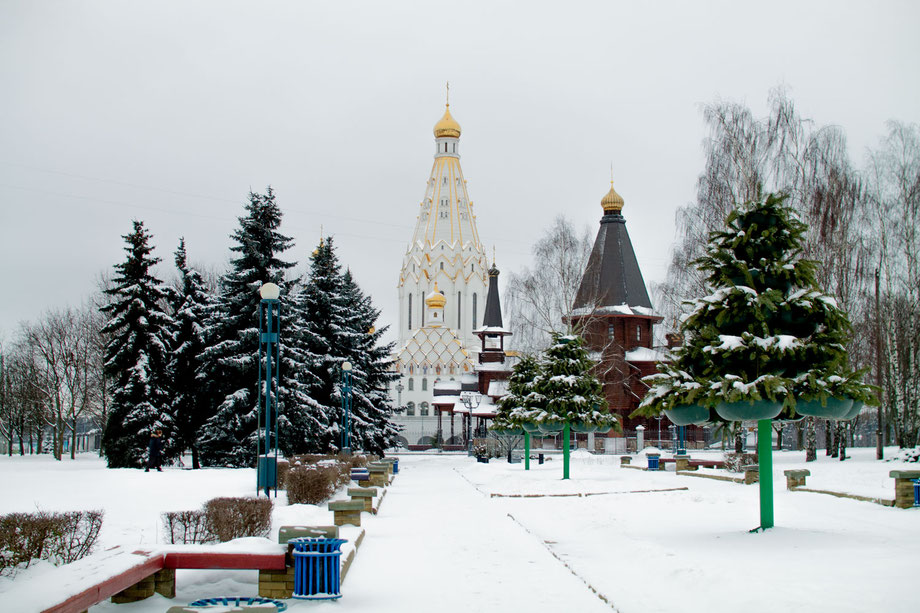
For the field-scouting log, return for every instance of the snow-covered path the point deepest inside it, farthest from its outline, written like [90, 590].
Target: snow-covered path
[438, 544]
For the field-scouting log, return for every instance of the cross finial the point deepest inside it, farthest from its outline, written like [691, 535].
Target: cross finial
[493, 255]
[448, 93]
[611, 174]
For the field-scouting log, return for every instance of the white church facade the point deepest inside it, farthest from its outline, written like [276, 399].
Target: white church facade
[442, 289]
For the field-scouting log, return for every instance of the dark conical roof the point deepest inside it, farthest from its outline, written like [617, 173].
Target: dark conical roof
[493, 315]
[612, 277]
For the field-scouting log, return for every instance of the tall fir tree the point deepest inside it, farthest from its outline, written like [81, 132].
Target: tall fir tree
[191, 301]
[231, 366]
[327, 337]
[765, 333]
[136, 356]
[371, 410]
[522, 404]
[568, 389]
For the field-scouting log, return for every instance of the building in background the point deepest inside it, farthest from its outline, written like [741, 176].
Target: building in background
[613, 313]
[442, 290]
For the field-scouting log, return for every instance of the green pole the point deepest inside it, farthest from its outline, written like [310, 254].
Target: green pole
[565, 452]
[765, 454]
[526, 450]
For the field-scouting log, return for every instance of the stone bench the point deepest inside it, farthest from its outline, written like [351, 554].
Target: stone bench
[365, 495]
[796, 478]
[379, 477]
[751, 473]
[904, 487]
[346, 512]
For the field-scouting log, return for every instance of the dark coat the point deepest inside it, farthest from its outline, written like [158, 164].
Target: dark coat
[154, 448]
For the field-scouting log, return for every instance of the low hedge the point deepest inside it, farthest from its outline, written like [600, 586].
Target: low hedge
[59, 538]
[220, 520]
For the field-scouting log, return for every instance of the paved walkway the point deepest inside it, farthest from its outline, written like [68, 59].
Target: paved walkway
[440, 545]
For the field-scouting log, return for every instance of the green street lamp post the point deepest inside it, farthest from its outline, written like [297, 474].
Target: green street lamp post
[346, 406]
[269, 336]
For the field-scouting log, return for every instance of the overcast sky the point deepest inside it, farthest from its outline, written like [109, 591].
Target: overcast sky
[169, 112]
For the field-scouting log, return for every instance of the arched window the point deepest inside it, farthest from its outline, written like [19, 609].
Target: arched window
[424, 384]
[410, 311]
[474, 310]
[459, 305]
[410, 408]
[442, 265]
[638, 332]
[411, 385]
[423, 408]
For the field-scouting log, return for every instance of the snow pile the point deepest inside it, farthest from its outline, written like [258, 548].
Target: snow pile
[909, 455]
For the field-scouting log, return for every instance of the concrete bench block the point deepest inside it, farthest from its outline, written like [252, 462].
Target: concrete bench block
[364, 494]
[681, 462]
[346, 512]
[796, 478]
[751, 473]
[625, 460]
[904, 487]
[286, 533]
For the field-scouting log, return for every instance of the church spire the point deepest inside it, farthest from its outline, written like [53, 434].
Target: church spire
[493, 315]
[612, 277]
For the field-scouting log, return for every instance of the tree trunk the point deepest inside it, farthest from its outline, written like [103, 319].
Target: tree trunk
[73, 439]
[739, 439]
[811, 440]
[828, 437]
[835, 441]
[195, 463]
[842, 439]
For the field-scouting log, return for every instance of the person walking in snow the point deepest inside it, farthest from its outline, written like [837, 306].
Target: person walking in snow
[154, 448]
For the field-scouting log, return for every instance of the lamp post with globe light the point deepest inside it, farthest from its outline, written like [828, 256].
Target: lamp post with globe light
[471, 401]
[269, 335]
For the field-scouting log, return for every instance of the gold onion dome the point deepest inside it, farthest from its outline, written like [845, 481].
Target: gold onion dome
[448, 126]
[612, 202]
[435, 300]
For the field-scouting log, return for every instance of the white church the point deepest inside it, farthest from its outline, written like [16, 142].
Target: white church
[442, 288]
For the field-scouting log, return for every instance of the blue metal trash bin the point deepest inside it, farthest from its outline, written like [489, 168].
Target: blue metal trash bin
[396, 466]
[316, 568]
[917, 492]
[652, 461]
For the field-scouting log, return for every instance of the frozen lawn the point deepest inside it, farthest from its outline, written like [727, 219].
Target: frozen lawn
[443, 542]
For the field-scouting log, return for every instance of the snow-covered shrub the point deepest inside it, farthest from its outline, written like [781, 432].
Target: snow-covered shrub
[230, 518]
[187, 527]
[909, 455]
[734, 461]
[59, 538]
[316, 483]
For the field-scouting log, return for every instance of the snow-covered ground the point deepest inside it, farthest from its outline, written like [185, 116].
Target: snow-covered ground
[455, 535]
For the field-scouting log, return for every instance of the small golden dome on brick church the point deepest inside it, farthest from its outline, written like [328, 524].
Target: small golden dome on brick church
[612, 202]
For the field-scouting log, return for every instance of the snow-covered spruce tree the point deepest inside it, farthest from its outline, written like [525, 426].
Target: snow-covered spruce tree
[766, 332]
[371, 411]
[136, 355]
[230, 369]
[323, 315]
[190, 303]
[522, 404]
[569, 391]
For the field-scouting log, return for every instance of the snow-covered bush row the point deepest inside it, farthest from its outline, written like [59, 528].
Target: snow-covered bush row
[59, 538]
[221, 520]
[909, 455]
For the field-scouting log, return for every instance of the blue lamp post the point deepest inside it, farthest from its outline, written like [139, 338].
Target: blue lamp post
[346, 407]
[269, 334]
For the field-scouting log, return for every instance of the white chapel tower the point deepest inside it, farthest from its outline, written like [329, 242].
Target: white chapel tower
[445, 257]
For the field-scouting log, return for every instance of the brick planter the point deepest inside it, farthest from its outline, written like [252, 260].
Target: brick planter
[145, 588]
[276, 583]
[681, 462]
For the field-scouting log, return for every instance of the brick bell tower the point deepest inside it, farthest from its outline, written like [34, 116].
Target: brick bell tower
[614, 315]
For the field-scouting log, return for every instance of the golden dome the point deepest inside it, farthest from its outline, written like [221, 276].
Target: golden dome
[612, 202]
[435, 300]
[447, 126]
